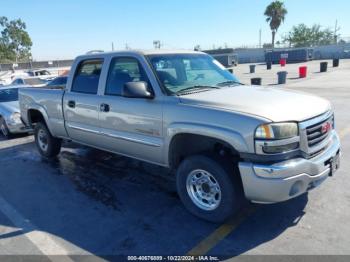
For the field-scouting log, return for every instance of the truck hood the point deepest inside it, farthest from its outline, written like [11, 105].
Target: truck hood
[270, 103]
[10, 107]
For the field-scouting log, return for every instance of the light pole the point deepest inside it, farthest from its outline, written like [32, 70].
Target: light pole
[260, 38]
[336, 30]
[31, 62]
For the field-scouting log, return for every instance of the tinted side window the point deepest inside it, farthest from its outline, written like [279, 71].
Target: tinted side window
[121, 71]
[87, 76]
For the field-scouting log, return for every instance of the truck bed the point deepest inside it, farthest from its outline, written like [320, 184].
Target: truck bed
[46, 101]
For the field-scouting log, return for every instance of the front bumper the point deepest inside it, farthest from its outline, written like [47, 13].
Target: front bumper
[288, 179]
[17, 128]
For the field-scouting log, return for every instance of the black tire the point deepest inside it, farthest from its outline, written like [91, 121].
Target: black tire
[53, 144]
[4, 129]
[227, 178]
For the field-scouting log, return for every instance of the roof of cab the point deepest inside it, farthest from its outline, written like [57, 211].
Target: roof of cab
[140, 52]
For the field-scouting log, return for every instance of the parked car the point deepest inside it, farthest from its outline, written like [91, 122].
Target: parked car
[7, 77]
[30, 81]
[185, 111]
[41, 73]
[58, 83]
[10, 117]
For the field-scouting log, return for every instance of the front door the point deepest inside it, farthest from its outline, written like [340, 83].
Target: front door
[130, 126]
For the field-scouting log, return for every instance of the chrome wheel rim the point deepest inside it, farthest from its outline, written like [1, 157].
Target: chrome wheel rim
[42, 140]
[203, 189]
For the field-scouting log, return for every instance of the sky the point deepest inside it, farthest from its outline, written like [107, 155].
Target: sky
[66, 28]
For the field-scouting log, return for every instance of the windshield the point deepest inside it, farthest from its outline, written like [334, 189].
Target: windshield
[8, 95]
[179, 72]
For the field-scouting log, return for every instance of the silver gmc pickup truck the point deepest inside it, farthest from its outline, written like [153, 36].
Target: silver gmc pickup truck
[183, 110]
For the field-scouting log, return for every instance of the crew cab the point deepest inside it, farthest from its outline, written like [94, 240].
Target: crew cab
[185, 111]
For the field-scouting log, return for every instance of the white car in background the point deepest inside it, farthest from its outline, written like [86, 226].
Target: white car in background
[10, 116]
[7, 77]
[42, 74]
[29, 81]
[11, 77]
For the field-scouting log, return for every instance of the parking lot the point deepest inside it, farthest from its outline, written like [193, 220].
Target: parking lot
[92, 202]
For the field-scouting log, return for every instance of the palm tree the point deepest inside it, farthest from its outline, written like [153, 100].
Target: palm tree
[276, 13]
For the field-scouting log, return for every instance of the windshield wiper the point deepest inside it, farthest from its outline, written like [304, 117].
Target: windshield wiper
[230, 82]
[196, 88]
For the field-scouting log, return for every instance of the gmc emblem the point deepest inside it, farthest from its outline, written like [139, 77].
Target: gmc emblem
[326, 127]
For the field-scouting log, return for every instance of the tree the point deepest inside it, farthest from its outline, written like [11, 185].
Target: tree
[275, 13]
[304, 36]
[15, 42]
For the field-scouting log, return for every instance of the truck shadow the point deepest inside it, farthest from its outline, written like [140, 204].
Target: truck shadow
[266, 224]
[107, 205]
[13, 136]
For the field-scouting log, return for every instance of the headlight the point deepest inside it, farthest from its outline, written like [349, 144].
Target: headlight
[277, 131]
[277, 138]
[16, 118]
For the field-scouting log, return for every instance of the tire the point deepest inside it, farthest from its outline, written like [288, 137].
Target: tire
[225, 204]
[48, 146]
[4, 129]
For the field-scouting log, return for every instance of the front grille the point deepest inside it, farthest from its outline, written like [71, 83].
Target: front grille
[318, 132]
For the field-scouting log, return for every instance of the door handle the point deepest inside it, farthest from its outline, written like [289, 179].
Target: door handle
[71, 103]
[104, 108]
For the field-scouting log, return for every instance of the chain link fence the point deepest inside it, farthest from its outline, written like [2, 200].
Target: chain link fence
[35, 65]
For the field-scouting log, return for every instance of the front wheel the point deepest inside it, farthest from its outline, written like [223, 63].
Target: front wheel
[208, 188]
[47, 145]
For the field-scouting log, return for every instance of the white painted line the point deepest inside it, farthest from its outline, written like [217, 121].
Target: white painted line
[43, 241]
[16, 142]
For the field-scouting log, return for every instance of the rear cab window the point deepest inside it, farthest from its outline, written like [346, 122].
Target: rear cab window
[87, 76]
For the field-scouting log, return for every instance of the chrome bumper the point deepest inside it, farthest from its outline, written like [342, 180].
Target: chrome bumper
[288, 179]
[17, 128]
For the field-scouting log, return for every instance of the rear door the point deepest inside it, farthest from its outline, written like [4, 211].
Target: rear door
[80, 103]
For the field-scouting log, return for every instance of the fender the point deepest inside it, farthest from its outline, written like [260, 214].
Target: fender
[231, 137]
[42, 110]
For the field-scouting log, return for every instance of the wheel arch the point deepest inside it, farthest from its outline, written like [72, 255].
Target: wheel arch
[37, 114]
[189, 140]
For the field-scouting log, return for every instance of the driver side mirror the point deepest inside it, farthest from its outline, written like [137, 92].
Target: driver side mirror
[137, 90]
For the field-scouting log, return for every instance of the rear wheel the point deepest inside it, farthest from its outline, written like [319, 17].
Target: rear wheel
[47, 145]
[4, 129]
[208, 188]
